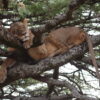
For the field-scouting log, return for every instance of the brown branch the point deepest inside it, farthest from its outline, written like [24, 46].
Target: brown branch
[8, 16]
[66, 97]
[93, 28]
[88, 61]
[74, 4]
[52, 98]
[83, 21]
[83, 67]
[51, 88]
[74, 92]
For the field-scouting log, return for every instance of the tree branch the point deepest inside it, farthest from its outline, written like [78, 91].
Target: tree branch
[74, 4]
[40, 98]
[88, 61]
[74, 92]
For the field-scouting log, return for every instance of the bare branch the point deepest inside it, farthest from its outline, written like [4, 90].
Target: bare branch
[88, 61]
[75, 4]
[74, 92]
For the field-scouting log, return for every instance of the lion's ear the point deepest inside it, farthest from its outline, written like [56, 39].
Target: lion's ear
[25, 21]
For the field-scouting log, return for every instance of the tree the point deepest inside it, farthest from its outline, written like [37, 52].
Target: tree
[44, 16]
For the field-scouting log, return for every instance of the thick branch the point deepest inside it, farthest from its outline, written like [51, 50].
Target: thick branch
[52, 98]
[74, 4]
[42, 98]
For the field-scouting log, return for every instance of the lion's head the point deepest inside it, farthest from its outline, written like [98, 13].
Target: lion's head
[20, 31]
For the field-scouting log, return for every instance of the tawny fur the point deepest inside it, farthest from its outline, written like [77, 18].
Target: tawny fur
[61, 40]
[20, 31]
[57, 42]
[3, 68]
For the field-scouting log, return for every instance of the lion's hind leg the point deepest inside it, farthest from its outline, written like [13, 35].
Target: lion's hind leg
[3, 74]
[3, 68]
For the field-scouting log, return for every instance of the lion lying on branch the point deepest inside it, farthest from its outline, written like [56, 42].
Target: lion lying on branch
[57, 42]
